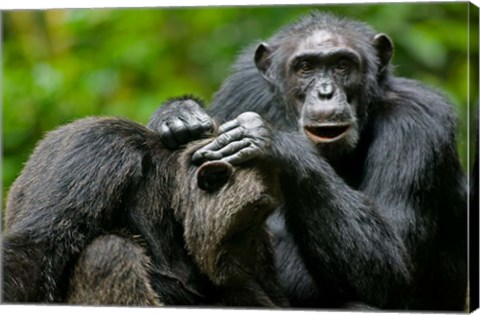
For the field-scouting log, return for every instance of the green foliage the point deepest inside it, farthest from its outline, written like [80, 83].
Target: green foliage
[60, 65]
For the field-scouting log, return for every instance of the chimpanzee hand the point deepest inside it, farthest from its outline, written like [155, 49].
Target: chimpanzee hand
[180, 121]
[240, 140]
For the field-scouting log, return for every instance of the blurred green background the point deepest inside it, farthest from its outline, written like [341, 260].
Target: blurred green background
[60, 65]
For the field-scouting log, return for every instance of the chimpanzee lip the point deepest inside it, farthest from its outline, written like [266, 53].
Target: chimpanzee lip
[328, 132]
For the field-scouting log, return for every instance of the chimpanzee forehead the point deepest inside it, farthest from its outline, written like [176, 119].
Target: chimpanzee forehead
[321, 39]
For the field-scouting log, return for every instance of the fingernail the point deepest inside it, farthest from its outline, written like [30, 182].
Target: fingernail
[197, 155]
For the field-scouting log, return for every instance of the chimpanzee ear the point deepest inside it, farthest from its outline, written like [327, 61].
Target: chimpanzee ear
[262, 60]
[213, 175]
[384, 46]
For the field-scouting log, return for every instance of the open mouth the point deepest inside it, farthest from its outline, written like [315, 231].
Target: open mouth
[326, 132]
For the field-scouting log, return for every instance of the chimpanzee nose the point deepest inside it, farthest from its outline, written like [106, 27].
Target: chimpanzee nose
[325, 91]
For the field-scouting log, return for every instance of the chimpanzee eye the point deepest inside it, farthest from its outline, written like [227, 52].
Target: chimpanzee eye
[305, 67]
[342, 67]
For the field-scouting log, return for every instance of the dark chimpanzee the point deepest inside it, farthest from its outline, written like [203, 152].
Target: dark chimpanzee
[375, 197]
[103, 214]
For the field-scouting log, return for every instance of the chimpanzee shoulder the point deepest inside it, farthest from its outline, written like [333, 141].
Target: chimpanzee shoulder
[95, 187]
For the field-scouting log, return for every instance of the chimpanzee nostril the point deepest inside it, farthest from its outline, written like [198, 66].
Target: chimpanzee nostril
[325, 91]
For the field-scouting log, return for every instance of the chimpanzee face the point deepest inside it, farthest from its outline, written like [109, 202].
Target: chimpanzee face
[321, 77]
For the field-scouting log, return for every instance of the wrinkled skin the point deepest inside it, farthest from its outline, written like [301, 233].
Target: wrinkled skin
[242, 139]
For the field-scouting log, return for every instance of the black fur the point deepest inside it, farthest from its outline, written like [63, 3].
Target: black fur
[102, 203]
[383, 224]
[474, 212]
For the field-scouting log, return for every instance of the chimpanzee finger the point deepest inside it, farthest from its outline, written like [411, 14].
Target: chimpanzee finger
[230, 149]
[229, 125]
[214, 146]
[197, 124]
[206, 121]
[179, 131]
[207, 124]
[241, 156]
[224, 139]
[250, 119]
[197, 128]
[167, 138]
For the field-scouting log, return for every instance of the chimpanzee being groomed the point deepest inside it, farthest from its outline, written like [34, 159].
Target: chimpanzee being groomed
[104, 214]
[375, 197]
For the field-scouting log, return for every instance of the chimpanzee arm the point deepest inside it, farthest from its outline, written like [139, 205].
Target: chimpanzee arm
[180, 120]
[75, 184]
[346, 244]
[336, 228]
[360, 242]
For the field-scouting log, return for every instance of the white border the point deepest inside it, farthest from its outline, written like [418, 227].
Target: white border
[51, 4]
[55, 4]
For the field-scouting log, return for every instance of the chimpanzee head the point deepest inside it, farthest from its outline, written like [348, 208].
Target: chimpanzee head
[327, 71]
[223, 209]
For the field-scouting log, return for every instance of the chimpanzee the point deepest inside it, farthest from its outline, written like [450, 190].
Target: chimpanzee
[375, 197]
[102, 213]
